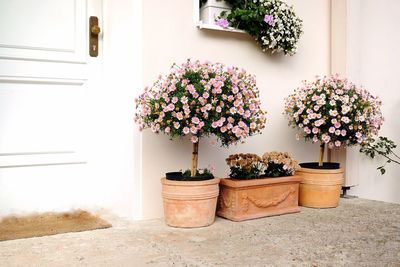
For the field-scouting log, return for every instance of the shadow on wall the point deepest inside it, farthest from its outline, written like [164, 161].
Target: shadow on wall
[245, 40]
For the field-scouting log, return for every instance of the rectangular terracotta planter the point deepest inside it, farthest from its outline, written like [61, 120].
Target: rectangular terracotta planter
[241, 200]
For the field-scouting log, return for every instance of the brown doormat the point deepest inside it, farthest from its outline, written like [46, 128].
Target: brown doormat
[49, 224]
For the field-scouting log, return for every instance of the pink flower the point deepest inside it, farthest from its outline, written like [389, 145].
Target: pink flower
[194, 139]
[338, 143]
[345, 119]
[269, 19]
[195, 120]
[191, 88]
[326, 138]
[315, 130]
[175, 99]
[171, 107]
[211, 167]
[218, 109]
[343, 132]
[242, 124]
[193, 130]
[167, 130]
[184, 99]
[179, 116]
[319, 122]
[224, 23]
[214, 124]
[186, 130]
[337, 125]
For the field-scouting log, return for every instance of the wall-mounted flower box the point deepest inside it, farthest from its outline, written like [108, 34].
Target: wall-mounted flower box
[205, 17]
[273, 23]
[211, 9]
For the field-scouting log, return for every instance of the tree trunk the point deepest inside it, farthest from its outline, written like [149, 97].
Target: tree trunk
[321, 154]
[195, 158]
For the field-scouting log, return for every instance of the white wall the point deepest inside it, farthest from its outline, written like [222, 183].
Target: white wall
[373, 40]
[169, 36]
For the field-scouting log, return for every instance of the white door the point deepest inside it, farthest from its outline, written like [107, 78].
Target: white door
[48, 98]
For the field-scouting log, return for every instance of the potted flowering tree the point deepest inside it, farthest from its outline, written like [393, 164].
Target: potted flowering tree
[249, 194]
[195, 100]
[333, 112]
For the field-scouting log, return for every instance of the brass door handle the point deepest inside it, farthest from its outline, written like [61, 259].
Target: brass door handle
[94, 31]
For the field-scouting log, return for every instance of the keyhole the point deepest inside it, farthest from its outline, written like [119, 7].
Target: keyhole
[94, 47]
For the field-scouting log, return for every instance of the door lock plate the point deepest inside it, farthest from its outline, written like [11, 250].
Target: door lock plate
[94, 31]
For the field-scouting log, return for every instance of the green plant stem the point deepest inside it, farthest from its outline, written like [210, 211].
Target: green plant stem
[395, 154]
[387, 157]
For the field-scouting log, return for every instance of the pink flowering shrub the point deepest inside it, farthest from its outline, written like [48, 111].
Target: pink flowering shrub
[199, 99]
[334, 111]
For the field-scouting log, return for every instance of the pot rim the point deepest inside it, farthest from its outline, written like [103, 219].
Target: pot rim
[231, 182]
[190, 183]
[321, 171]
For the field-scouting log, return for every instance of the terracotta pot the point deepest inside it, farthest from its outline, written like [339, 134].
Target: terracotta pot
[190, 203]
[249, 199]
[320, 188]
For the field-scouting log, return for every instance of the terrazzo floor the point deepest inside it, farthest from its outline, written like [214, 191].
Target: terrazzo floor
[358, 233]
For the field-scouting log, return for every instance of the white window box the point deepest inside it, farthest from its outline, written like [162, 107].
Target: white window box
[210, 11]
[205, 17]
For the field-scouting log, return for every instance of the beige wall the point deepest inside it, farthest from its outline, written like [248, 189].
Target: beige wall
[374, 61]
[169, 35]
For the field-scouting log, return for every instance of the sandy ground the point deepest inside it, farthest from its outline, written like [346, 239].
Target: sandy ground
[357, 233]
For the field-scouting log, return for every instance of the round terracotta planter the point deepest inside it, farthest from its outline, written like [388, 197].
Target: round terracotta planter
[320, 188]
[190, 204]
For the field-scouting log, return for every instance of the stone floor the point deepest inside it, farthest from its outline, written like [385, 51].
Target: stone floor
[357, 233]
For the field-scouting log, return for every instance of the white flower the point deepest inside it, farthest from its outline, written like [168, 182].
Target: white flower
[333, 112]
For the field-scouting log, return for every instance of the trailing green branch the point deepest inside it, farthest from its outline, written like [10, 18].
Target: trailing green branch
[383, 147]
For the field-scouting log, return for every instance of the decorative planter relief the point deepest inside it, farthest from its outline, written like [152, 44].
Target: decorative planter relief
[241, 200]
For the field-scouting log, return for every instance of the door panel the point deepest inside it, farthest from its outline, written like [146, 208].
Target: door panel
[47, 86]
[43, 30]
